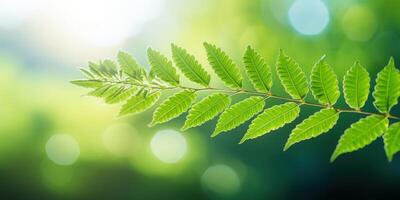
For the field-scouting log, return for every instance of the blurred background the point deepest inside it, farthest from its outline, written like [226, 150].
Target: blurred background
[56, 143]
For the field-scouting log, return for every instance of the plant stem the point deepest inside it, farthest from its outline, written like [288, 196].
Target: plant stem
[267, 95]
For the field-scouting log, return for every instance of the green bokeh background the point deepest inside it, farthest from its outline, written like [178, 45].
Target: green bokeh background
[38, 58]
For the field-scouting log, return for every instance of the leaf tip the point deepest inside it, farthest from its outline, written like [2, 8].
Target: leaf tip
[391, 60]
[287, 146]
[242, 140]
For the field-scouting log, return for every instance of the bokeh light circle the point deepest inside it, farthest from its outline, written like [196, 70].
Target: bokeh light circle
[309, 17]
[221, 179]
[169, 146]
[62, 149]
[359, 23]
[121, 139]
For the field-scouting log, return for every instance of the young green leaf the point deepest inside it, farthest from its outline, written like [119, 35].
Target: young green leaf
[317, 124]
[238, 114]
[324, 83]
[121, 94]
[206, 110]
[292, 76]
[392, 140]
[190, 67]
[173, 106]
[88, 83]
[162, 67]
[257, 70]
[387, 88]
[89, 75]
[129, 65]
[223, 66]
[356, 86]
[104, 91]
[360, 134]
[139, 103]
[109, 68]
[272, 119]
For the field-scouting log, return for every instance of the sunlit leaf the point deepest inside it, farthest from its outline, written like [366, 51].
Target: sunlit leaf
[206, 110]
[139, 103]
[315, 125]
[239, 113]
[360, 134]
[387, 88]
[292, 76]
[356, 86]
[162, 67]
[190, 67]
[173, 106]
[272, 119]
[257, 70]
[392, 140]
[129, 65]
[223, 66]
[88, 83]
[324, 83]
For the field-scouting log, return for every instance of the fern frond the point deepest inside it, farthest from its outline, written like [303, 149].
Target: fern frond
[206, 110]
[317, 124]
[129, 83]
[190, 67]
[272, 119]
[324, 83]
[392, 140]
[258, 71]
[223, 66]
[387, 88]
[360, 134]
[173, 106]
[356, 86]
[238, 114]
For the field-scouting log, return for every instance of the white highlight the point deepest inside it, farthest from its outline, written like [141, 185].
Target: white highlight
[309, 17]
[221, 179]
[100, 22]
[168, 146]
[62, 149]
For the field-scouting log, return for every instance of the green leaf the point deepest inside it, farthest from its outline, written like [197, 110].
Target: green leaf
[392, 140]
[317, 124]
[206, 110]
[190, 67]
[324, 83]
[139, 103]
[108, 68]
[173, 106]
[356, 86]
[94, 69]
[238, 114]
[292, 76]
[87, 73]
[129, 65]
[258, 71]
[121, 94]
[272, 119]
[223, 66]
[387, 88]
[360, 134]
[88, 83]
[104, 90]
[162, 67]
